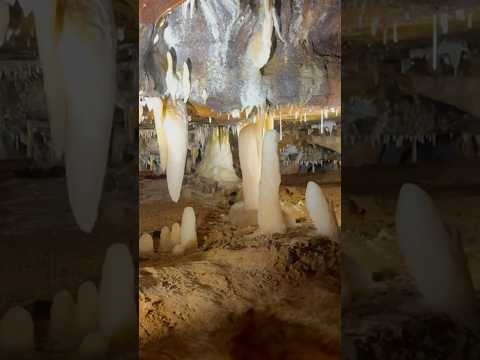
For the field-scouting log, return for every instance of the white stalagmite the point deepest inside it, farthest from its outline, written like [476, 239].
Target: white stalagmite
[444, 280]
[156, 104]
[217, 163]
[188, 231]
[250, 166]
[93, 346]
[4, 20]
[117, 306]
[62, 321]
[176, 131]
[87, 308]
[270, 217]
[321, 212]
[16, 333]
[87, 51]
[145, 244]
[166, 244]
[175, 234]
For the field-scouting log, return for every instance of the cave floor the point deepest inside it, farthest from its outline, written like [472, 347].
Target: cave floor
[241, 295]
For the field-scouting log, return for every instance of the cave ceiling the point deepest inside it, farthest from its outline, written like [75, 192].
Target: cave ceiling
[213, 36]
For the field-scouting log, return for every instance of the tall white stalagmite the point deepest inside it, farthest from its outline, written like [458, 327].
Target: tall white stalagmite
[217, 164]
[87, 52]
[320, 211]
[117, 306]
[87, 308]
[250, 165]
[188, 232]
[270, 217]
[4, 20]
[444, 280]
[176, 131]
[156, 104]
[16, 333]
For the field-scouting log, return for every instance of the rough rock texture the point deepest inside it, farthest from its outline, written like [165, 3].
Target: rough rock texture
[210, 296]
[303, 66]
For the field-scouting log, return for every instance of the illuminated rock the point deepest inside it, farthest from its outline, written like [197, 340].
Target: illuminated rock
[117, 306]
[270, 217]
[16, 333]
[321, 212]
[435, 260]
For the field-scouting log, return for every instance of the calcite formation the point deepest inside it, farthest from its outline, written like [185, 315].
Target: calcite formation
[217, 163]
[270, 217]
[117, 306]
[320, 211]
[62, 328]
[145, 244]
[188, 233]
[250, 166]
[87, 308]
[16, 333]
[175, 234]
[444, 280]
[166, 244]
[176, 130]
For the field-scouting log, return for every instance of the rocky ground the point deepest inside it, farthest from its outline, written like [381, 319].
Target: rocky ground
[241, 295]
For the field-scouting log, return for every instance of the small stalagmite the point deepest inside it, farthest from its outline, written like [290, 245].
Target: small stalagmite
[250, 166]
[188, 232]
[87, 308]
[62, 321]
[16, 333]
[175, 234]
[165, 242]
[321, 212]
[270, 217]
[444, 280]
[145, 244]
[117, 307]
